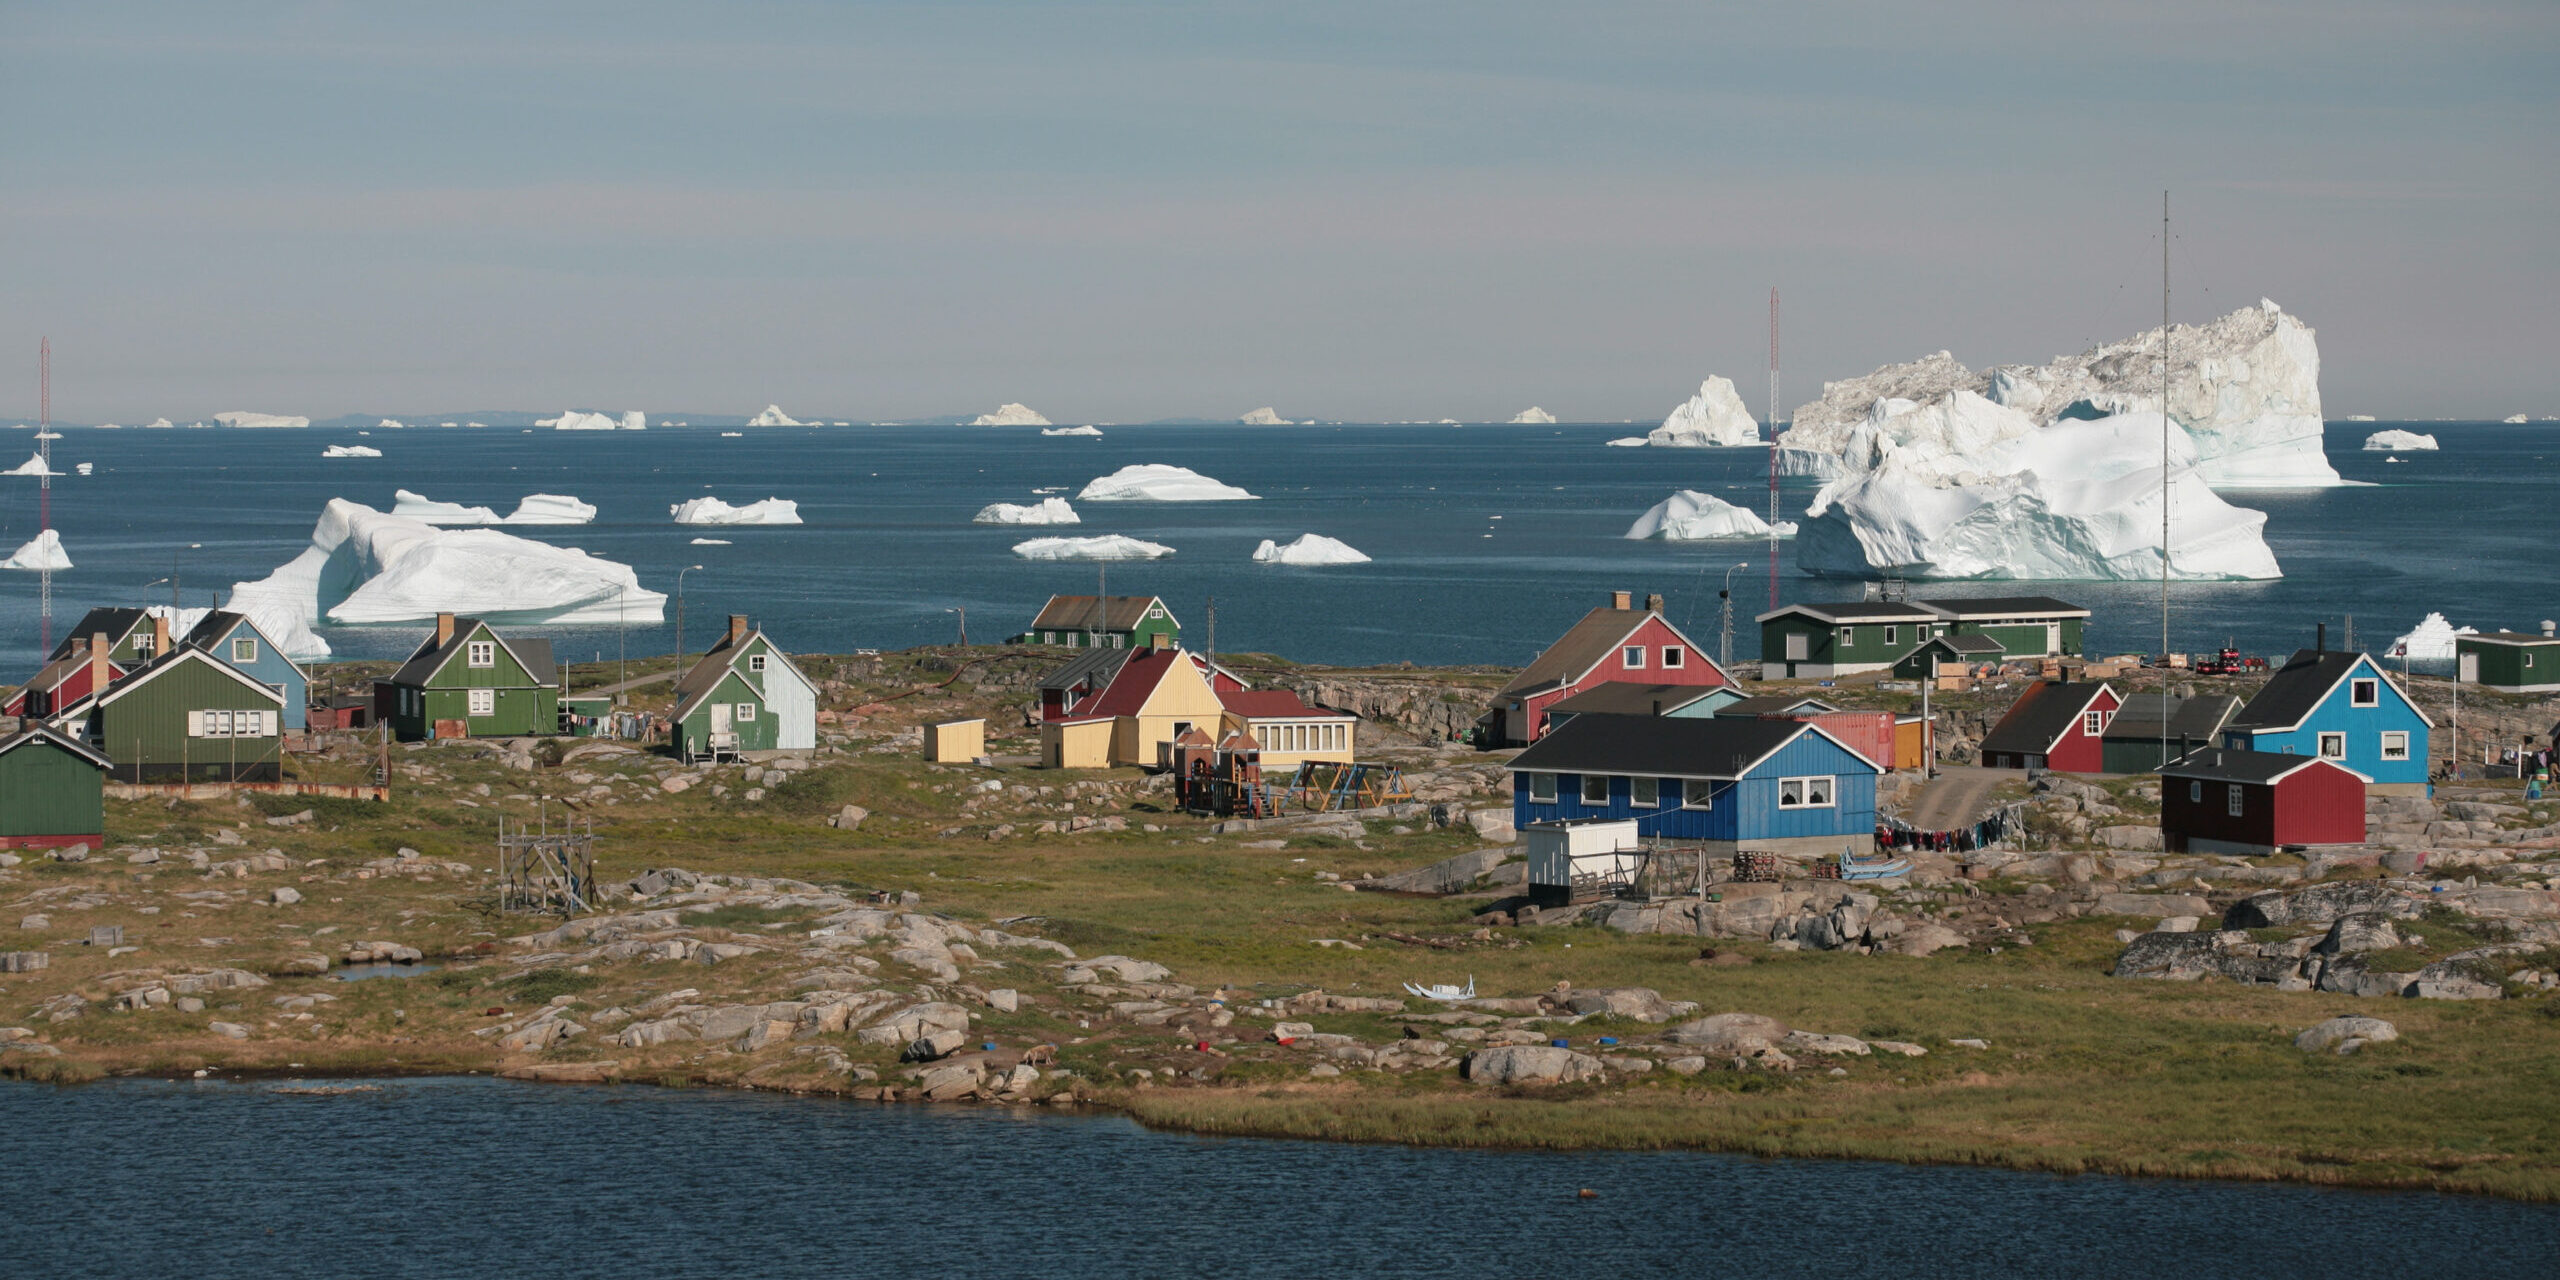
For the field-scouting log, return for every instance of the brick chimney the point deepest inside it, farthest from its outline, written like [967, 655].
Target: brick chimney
[1653, 603]
[159, 635]
[444, 629]
[737, 630]
[98, 651]
[1622, 601]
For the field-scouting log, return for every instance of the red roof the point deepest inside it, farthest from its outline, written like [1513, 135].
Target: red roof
[1135, 683]
[1270, 704]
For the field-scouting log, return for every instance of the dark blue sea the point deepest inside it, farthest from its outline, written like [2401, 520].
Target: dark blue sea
[1487, 539]
[477, 1177]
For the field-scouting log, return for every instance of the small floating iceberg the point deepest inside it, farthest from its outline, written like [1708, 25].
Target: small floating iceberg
[42, 554]
[773, 416]
[1629, 442]
[1310, 548]
[426, 510]
[712, 542]
[1533, 415]
[391, 424]
[1045, 511]
[714, 511]
[1107, 547]
[33, 466]
[1715, 417]
[159, 424]
[86, 467]
[1071, 431]
[241, 418]
[1159, 482]
[2432, 640]
[2396, 440]
[573, 420]
[551, 508]
[1691, 516]
[1266, 416]
[351, 451]
[1011, 415]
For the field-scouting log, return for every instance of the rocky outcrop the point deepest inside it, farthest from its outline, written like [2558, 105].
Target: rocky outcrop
[2345, 1035]
[1531, 1064]
[2321, 904]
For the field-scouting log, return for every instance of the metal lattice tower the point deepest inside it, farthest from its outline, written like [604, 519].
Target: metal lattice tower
[44, 489]
[1773, 448]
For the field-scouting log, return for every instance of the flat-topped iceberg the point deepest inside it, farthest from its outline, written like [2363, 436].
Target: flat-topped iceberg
[2396, 440]
[2432, 640]
[1265, 416]
[1691, 516]
[2245, 387]
[242, 418]
[714, 511]
[1045, 511]
[1714, 417]
[1629, 442]
[426, 510]
[712, 542]
[1159, 482]
[2077, 500]
[351, 451]
[551, 508]
[534, 508]
[1072, 431]
[1309, 548]
[1011, 415]
[42, 554]
[574, 420]
[1534, 416]
[1107, 547]
[365, 566]
[33, 466]
[773, 416]
[159, 424]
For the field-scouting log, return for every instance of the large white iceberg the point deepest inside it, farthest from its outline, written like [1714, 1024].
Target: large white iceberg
[574, 420]
[1011, 415]
[351, 451]
[714, 511]
[1045, 511]
[42, 553]
[2396, 440]
[535, 508]
[1534, 415]
[426, 510]
[551, 508]
[33, 466]
[1159, 482]
[239, 418]
[365, 566]
[1691, 516]
[773, 416]
[1107, 547]
[2245, 387]
[1309, 548]
[1072, 431]
[1265, 416]
[2077, 500]
[159, 424]
[2432, 640]
[1715, 416]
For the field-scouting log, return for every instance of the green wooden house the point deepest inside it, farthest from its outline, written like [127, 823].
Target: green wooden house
[744, 696]
[2509, 660]
[1103, 622]
[129, 635]
[2027, 627]
[52, 791]
[467, 681]
[1818, 641]
[185, 716]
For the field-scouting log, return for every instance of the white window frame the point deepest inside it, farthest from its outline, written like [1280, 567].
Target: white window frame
[1644, 793]
[755, 663]
[1584, 795]
[1848, 637]
[1542, 788]
[2322, 739]
[244, 648]
[480, 654]
[2364, 691]
[1674, 657]
[1805, 788]
[2093, 722]
[482, 702]
[1701, 797]
[1048, 637]
[743, 713]
[1892, 634]
[2395, 744]
[1119, 641]
[2528, 659]
[1631, 657]
[2236, 801]
[1155, 611]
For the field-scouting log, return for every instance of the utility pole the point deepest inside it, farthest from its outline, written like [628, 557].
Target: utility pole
[2164, 481]
[1213, 628]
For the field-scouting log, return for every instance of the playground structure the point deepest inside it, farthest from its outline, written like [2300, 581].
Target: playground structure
[1225, 780]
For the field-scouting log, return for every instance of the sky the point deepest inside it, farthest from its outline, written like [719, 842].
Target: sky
[1362, 211]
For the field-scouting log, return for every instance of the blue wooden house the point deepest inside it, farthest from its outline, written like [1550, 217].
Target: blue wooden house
[2343, 708]
[242, 645]
[1783, 786]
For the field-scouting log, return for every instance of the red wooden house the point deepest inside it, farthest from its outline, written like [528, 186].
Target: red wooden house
[2055, 724]
[1617, 642]
[64, 681]
[2254, 803]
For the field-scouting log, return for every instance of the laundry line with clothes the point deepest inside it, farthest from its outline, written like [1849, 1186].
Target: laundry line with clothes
[1989, 831]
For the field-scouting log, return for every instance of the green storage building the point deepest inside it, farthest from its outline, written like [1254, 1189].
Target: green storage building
[2509, 660]
[52, 791]
[2028, 627]
[467, 681]
[185, 716]
[1818, 641]
[1103, 622]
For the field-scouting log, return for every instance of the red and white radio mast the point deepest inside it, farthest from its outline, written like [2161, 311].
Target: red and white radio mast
[44, 486]
[1773, 448]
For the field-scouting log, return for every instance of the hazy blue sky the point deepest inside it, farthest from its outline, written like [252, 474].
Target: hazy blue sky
[1129, 211]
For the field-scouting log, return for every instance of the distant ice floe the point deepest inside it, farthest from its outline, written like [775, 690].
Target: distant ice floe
[1072, 431]
[241, 418]
[773, 416]
[2359, 417]
[2396, 440]
[1310, 548]
[86, 467]
[574, 420]
[712, 542]
[159, 424]
[43, 553]
[351, 451]
[1536, 416]
[391, 424]
[1045, 511]
[366, 566]
[733, 435]
[1265, 416]
[2432, 640]
[33, 466]
[1107, 547]
[714, 511]
[2515, 420]
[535, 508]
[1159, 482]
[1691, 516]
[1713, 418]
[1011, 415]
[551, 508]
[1629, 442]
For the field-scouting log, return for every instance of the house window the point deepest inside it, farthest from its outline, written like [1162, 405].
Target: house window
[1804, 793]
[2364, 693]
[1542, 788]
[2395, 745]
[244, 649]
[1632, 658]
[2093, 722]
[1595, 789]
[1074, 641]
[1645, 793]
[2195, 793]
[1799, 646]
[1673, 656]
[1048, 637]
[2234, 800]
[745, 712]
[1701, 796]
[2528, 662]
[484, 653]
[1892, 634]
[230, 724]
[2333, 746]
[484, 702]
[1156, 611]
[1119, 641]
[755, 663]
[1848, 636]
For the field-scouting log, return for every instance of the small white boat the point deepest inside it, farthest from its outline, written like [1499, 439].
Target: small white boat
[1446, 991]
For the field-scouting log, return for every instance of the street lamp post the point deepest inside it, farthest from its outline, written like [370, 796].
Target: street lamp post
[680, 573]
[963, 611]
[1726, 595]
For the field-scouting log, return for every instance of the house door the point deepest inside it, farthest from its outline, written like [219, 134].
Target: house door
[720, 722]
[1797, 649]
[2468, 669]
[2053, 637]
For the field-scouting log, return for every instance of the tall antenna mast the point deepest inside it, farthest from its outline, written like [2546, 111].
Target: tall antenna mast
[2164, 479]
[44, 489]
[1773, 448]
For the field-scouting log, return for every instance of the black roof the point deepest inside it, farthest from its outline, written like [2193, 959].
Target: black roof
[2508, 637]
[431, 657]
[1961, 643]
[1621, 697]
[2220, 764]
[2040, 717]
[2142, 716]
[1859, 611]
[1772, 704]
[39, 732]
[212, 627]
[117, 621]
[2005, 606]
[1664, 746]
[1094, 668]
[2295, 689]
[2203, 717]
